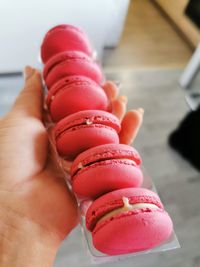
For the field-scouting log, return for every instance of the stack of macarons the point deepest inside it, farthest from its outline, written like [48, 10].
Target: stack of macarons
[123, 217]
[71, 75]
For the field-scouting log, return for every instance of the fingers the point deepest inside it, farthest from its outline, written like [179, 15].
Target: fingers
[29, 101]
[111, 90]
[130, 126]
[119, 107]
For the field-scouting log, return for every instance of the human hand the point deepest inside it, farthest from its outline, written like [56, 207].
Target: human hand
[36, 208]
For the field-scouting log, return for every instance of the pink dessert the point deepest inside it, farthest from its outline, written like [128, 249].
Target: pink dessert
[71, 63]
[128, 220]
[75, 93]
[64, 38]
[85, 129]
[105, 168]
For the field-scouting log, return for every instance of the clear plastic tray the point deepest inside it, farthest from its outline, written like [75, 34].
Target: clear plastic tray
[96, 256]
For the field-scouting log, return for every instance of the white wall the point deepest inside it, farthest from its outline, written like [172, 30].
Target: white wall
[23, 23]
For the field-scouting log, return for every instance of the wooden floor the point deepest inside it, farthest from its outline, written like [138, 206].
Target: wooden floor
[148, 41]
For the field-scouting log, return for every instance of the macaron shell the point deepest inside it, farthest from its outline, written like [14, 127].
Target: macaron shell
[105, 152]
[105, 176]
[62, 38]
[83, 137]
[81, 118]
[68, 80]
[60, 57]
[77, 97]
[73, 66]
[132, 232]
[113, 200]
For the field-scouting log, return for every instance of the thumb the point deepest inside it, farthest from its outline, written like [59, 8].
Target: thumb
[29, 101]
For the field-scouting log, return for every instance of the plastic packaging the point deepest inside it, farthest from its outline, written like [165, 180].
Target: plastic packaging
[96, 256]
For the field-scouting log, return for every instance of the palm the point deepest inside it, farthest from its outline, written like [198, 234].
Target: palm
[49, 203]
[38, 191]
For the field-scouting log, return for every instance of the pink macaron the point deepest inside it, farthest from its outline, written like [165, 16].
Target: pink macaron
[85, 129]
[75, 93]
[128, 220]
[71, 63]
[105, 168]
[64, 38]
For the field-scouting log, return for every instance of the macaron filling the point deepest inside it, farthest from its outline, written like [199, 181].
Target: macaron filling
[128, 207]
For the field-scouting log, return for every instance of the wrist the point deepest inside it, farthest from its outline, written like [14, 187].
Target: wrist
[25, 243]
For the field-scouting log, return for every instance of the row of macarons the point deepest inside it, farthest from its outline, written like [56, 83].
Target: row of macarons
[71, 74]
[79, 128]
[88, 134]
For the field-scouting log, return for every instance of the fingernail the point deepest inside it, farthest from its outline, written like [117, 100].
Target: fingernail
[124, 99]
[28, 72]
[140, 110]
[131, 141]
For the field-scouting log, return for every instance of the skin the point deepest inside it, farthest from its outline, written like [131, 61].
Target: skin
[37, 211]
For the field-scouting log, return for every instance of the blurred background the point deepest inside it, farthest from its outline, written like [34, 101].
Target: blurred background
[152, 48]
